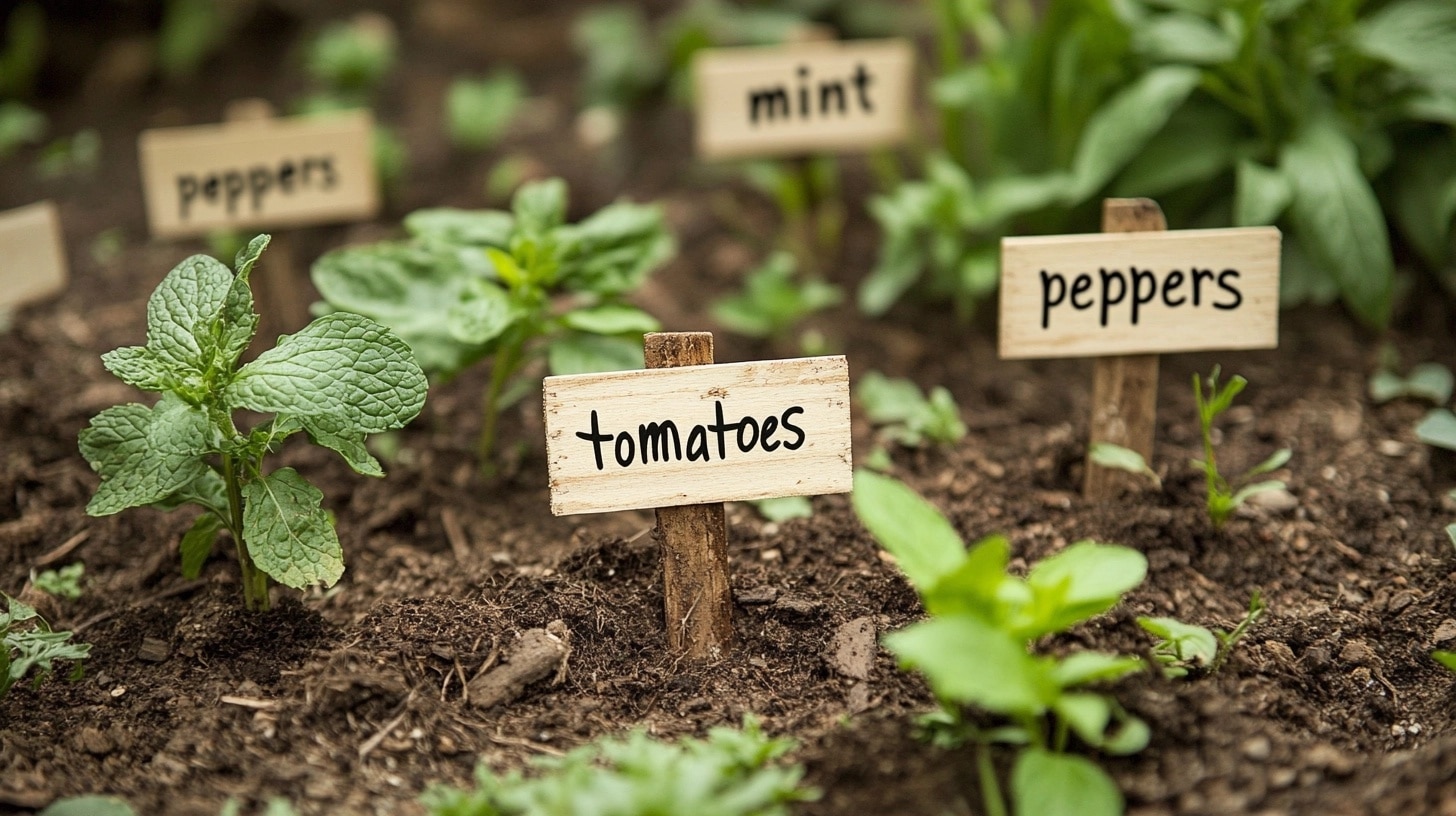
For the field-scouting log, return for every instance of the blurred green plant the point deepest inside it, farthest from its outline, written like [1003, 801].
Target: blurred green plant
[20, 125]
[1185, 648]
[1224, 498]
[27, 642]
[62, 583]
[78, 155]
[191, 31]
[478, 111]
[773, 304]
[23, 52]
[906, 416]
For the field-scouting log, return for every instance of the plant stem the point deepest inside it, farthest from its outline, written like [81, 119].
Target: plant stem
[990, 787]
[948, 48]
[255, 581]
[505, 365]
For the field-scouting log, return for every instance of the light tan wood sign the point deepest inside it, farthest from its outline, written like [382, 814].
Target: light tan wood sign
[270, 172]
[32, 254]
[1139, 292]
[808, 97]
[705, 433]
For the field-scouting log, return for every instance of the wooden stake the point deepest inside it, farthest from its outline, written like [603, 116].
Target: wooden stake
[1124, 389]
[694, 538]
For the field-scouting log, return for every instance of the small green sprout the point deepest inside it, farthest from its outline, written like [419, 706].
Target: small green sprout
[1430, 382]
[92, 805]
[478, 111]
[1223, 498]
[62, 583]
[906, 416]
[1447, 659]
[33, 645]
[1117, 457]
[784, 508]
[340, 378]
[352, 58]
[772, 302]
[1438, 429]
[1184, 648]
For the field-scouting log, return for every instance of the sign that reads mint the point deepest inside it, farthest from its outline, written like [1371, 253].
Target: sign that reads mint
[1118, 293]
[709, 433]
[802, 98]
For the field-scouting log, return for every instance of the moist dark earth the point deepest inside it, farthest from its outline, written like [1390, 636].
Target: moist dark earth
[351, 700]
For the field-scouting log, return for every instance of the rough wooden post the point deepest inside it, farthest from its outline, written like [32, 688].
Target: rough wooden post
[697, 600]
[1124, 389]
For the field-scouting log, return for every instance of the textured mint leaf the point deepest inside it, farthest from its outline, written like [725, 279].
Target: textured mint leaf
[343, 366]
[207, 490]
[197, 544]
[248, 255]
[143, 455]
[183, 310]
[139, 366]
[482, 314]
[348, 444]
[235, 327]
[288, 534]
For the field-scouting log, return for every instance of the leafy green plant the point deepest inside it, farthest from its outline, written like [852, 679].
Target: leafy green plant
[906, 416]
[731, 773]
[30, 643]
[351, 58]
[1118, 457]
[1224, 498]
[1431, 382]
[1184, 648]
[976, 649]
[78, 155]
[512, 286]
[772, 303]
[19, 125]
[341, 378]
[62, 583]
[23, 51]
[478, 111]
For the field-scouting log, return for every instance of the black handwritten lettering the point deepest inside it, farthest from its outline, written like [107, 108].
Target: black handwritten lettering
[1125, 295]
[653, 441]
[250, 188]
[661, 441]
[774, 102]
[1224, 285]
[1047, 301]
[596, 437]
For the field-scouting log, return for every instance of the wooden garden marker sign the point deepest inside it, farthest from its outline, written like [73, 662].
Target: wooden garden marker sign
[802, 98]
[1129, 294]
[32, 254]
[684, 436]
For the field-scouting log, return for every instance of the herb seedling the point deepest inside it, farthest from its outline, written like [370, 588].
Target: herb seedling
[1431, 382]
[62, 583]
[510, 286]
[1108, 455]
[30, 643]
[906, 416]
[341, 378]
[772, 303]
[1183, 648]
[1223, 499]
[478, 111]
[352, 58]
[731, 773]
[975, 649]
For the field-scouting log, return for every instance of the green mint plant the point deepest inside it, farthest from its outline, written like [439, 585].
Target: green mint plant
[1185, 648]
[341, 378]
[1117, 457]
[906, 416]
[30, 643]
[512, 286]
[1224, 498]
[731, 773]
[478, 111]
[772, 303]
[62, 583]
[976, 649]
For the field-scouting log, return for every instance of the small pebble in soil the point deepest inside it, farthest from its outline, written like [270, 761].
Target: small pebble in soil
[1445, 632]
[771, 554]
[1256, 748]
[1391, 448]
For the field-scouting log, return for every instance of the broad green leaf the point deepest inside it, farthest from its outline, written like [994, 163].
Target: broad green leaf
[197, 543]
[614, 249]
[1438, 428]
[1047, 784]
[611, 318]
[445, 225]
[207, 490]
[1088, 714]
[1130, 736]
[139, 366]
[326, 430]
[887, 399]
[1261, 194]
[1006, 197]
[1123, 126]
[1447, 659]
[974, 587]
[1184, 38]
[248, 255]
[1108, 455]
[143, 455]
[183, 310]
[89, 806]
[1418, 36]
[1199, 142]
[1189, 643]
[343, 366]
[1080, 668]
[1339, 219]
[1424, 193]
[972, 662]
[579, 353]
[478, 111]
[784, 508]
[288, 534]
[482, 314]
[923, 542]
[900, 264]
[540, 206]
[1084, 580]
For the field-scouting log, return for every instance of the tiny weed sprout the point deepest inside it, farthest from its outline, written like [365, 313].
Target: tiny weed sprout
[976, 649]
[30, 643]
[511, 286]
[341, 378]
[1184, 648]
[478, 111]
[731, 773]
[906, 416]
[1117, 457]
[1429, 382]
[1224, 498]
[772, 303]
[62, 583]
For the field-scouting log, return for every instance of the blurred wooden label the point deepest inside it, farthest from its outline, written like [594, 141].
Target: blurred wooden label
[264, 173]
[803, 98]
[664, 437]
[32, 254]
[1139, 292]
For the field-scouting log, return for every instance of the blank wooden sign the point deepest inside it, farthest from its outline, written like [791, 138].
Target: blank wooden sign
[809, 97]
[270, 172]
[1139, 292]
[710, 433]
[32, 254]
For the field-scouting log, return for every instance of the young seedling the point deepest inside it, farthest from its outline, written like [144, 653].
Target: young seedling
[906, 416]
[1184, 648]
[341, 378]
[773, 303]
[478, 111]
[1430, 382]
[28, 642]
[352, 58]
[1109, 455]
[976, 648]
[1447, 659]
[62, 583]
[1223, 498]
[511, 286]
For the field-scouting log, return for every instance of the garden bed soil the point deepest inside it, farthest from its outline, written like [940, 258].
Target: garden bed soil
[352, 700]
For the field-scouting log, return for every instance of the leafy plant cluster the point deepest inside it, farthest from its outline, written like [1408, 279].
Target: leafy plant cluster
[29, 644]
[1185, 648]
[62, 583]
[341, 378]
[976, 649]
[906, 416]
[512, 286]
[774, 303]
[478, 110]
[1321, 116]
[1223, 497]
[731, 773]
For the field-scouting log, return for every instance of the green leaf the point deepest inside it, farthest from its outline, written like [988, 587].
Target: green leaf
[540, 206]
[1447, 659]
[143, 455]
[1418, 36]
[1276, 460]
[288, 534]
[784, 508]
[453, 227]
[1190, 644]
[972, 662]
[1339, 219]
[1184, 38]
[1425, 196]
[591, 353]
[88, 806]
[1438, 428]
[1047, 784]
[1088, 714]
[1132, 736]
[974, 587]
[1261, 194]
[611, 318]
[482, 314]
[183, 311]
[248, 255]
[1246, 491]
[477, 112]
[1198, 143]
[197, 544]
[1108, 455]
[923, 542]
[1123, 126]
[1080, 668]
[335, 435]
[139, 366]
[1084, 580]
[614, 249]
[343, 366]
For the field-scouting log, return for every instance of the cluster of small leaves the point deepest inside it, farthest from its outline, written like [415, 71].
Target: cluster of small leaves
[510, 286]
[773, 303]
[1185, 648]
[1224, 498]
[906, 416]
[478, 111]
[341, 378]
[62, 583]
[29, 644]
[731, 773]
[975, 649]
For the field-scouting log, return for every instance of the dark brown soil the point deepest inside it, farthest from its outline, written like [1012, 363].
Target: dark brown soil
[352, 700]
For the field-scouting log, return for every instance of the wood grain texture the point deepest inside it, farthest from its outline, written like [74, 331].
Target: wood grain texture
[32, 254]
[1125, 388]
[726, 81]
[170, 155]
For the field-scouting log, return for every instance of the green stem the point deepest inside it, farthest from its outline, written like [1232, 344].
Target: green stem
[990, 788]
[948, 49]
[505, 365]
[255, 581]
